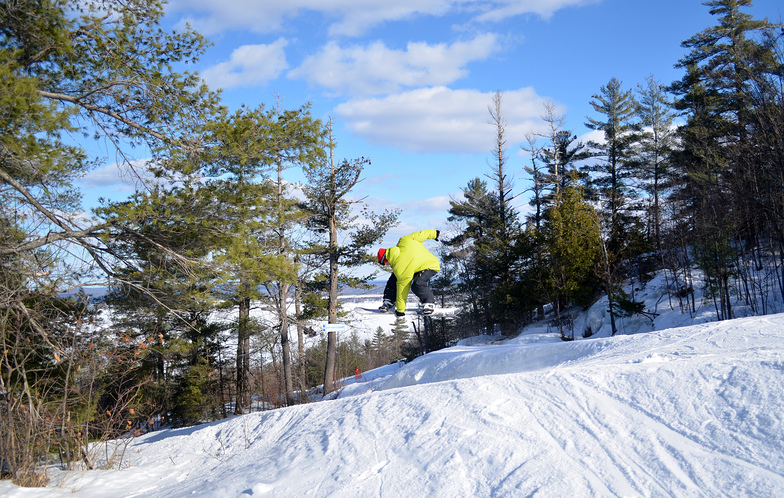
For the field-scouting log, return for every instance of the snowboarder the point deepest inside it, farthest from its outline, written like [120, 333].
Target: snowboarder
[412, 268]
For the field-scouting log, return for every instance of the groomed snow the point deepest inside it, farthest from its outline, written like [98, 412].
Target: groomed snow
[690, 411]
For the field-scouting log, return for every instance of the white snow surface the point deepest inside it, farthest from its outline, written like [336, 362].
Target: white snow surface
[686, 411]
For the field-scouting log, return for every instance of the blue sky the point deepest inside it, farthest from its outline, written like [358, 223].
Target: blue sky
[408, 82]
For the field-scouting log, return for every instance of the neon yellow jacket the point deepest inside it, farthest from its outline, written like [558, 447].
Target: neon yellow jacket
[408, 257]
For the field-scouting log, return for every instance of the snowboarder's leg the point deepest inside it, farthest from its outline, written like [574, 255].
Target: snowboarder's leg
[420, 286]
[389, 294]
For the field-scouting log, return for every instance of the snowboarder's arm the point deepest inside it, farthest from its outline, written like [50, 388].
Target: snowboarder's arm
[423, 235]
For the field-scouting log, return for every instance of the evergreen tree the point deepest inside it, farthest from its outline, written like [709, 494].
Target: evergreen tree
[656, 144]
[702, 213]
[728, 57]
[625, 238]
[721, 173]
[72, 73]
[552, 166]
[329, 212]
[572, 236]
[161, 294]
[244, 151]
[305, 142]
[611, 179]
[474, 216]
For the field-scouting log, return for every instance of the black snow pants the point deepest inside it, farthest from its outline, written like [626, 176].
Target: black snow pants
[420, 286]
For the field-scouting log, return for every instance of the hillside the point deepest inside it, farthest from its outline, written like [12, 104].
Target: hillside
[689, 411]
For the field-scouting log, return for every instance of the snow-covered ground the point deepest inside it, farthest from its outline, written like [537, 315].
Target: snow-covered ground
[690, 411]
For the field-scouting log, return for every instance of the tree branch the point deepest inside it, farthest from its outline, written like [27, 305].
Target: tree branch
[102, 110]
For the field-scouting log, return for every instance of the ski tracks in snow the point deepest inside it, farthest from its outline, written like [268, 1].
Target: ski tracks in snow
[692, 412]
[646, 446]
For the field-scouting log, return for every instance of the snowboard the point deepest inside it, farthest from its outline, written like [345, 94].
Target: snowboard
[409, 312]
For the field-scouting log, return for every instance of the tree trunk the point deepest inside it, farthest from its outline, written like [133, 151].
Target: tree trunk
[329, 368]
[284, 343]
[608, 283]
[283, 289]
[333, 309]
[303, 384]
[243, 357]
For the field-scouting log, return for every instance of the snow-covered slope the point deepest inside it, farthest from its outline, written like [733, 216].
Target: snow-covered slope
[693, 411]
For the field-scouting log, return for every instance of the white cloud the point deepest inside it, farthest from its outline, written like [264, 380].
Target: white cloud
[215, 16]
[440, 119]
[117, 177]
[377, 69]
[352, 17]
[426, 207]
[248, 66]
[359, 16]
[498, 10]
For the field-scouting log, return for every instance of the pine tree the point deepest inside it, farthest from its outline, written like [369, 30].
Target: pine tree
[551, 167]
[70, 76]
[612, 173]
[244, 158]
[721, 173]
[161, 295]
[329, 212]
[656, 144]
[625, 238]
[473, 215]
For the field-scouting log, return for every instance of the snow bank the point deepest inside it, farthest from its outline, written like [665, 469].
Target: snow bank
[693, 411]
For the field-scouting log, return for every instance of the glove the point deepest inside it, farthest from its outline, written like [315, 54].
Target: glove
[400, 313]
[438, 232]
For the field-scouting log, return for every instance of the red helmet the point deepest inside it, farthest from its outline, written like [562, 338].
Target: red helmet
[382, 256]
